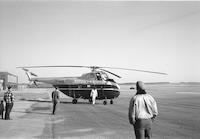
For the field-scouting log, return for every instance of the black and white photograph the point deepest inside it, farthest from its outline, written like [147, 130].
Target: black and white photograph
[99, 69]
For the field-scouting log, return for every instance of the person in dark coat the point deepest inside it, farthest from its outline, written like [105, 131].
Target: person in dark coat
[55, 99]
[1, 109]
[9, 100]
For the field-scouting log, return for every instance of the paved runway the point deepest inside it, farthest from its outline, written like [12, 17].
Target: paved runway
[178, 116]
[87, 121]
[32, 119]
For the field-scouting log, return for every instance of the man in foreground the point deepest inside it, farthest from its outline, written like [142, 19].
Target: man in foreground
[142, 111]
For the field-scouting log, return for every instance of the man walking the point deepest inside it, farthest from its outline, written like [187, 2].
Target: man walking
[9, 100]
[94, 94]
[142, 111]
[55, 99]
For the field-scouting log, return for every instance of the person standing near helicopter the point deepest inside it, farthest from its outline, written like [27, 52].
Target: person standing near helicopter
[142, 112]
[93, 94]
[9, 100]
[55, 99]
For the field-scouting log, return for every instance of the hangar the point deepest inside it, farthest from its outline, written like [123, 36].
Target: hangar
[8, 79]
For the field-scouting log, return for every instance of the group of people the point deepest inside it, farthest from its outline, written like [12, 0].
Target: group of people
[9, 102]
[56, 98]
[142, 109]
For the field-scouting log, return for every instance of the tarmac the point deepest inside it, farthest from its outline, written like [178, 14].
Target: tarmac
[31, 116]
[20, 126]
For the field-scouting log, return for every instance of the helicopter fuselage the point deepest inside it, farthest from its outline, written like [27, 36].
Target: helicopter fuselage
[80, 87]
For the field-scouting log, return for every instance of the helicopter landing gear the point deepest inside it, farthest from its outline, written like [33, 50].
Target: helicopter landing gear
[74, 101]
[111, 101]
[104, 102]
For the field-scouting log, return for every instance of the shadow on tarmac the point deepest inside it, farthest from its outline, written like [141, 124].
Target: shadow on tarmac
[63, 102]
[31, 112]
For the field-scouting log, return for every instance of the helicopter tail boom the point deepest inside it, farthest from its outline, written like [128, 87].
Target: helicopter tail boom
[29, 74]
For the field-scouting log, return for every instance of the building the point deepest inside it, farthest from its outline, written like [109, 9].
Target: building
[22, 86]
[8, 79]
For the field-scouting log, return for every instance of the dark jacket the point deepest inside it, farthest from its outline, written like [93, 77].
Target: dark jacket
[1, 108]
[55, 96]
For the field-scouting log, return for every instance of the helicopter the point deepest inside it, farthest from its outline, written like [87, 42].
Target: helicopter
[80, 87]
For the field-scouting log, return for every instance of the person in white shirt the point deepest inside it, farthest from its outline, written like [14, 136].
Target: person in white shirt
[142, 112]
[94, 94]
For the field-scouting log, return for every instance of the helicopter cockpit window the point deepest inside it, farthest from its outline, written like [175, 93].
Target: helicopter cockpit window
[104, 76]
[101, 76]
[98, 76]
[91, 76]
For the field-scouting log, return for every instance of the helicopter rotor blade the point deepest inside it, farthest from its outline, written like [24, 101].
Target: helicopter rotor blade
[110, 72]
[96, 67]
[136, 70]
[55, 66]
[61, 66]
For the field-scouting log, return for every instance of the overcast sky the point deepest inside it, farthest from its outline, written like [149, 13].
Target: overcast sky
[157, 36]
